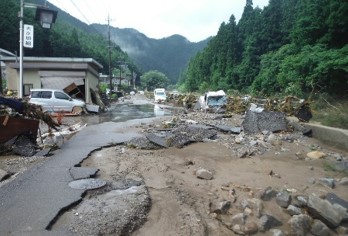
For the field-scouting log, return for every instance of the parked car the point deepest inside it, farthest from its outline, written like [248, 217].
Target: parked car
[160, 95]
[54, 100]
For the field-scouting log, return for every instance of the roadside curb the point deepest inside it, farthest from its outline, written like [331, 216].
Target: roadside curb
[332, 136]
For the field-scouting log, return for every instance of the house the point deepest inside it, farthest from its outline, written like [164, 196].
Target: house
[76, 76]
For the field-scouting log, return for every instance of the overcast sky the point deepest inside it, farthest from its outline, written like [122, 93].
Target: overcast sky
[194, 19]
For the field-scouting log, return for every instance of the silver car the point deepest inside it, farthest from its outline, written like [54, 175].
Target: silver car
[53, 100]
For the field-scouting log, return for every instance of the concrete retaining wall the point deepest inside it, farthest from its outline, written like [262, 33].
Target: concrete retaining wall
[332, 136]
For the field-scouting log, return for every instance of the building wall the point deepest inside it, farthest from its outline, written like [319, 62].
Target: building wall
[91, 83]
[30, 77]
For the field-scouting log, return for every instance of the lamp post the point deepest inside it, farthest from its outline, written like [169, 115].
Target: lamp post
[46, 17]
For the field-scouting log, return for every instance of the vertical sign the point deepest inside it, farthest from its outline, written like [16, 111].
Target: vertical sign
[28, 41]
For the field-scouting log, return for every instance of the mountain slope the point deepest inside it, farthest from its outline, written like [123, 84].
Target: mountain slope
[169, 55]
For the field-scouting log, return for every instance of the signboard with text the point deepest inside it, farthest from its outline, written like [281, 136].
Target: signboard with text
[28, 36]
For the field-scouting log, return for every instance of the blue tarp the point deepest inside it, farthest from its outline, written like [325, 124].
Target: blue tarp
[13, 103]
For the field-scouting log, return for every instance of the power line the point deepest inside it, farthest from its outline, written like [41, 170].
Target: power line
[80, 12]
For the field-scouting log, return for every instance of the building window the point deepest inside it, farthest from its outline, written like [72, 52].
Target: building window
[26, 89]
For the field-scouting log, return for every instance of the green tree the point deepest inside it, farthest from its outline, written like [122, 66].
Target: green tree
[154, 79]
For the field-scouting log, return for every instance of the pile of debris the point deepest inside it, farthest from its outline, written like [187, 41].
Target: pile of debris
[247, 210]
[244, 212]
[19, 124]
[290, 105]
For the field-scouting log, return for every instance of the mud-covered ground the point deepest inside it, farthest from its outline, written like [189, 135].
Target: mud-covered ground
[158, 192]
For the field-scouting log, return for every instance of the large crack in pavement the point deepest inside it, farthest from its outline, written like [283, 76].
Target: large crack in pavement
[31, 202]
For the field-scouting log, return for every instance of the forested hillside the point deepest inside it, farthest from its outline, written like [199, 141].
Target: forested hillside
[169, 55]
[68, 37]
[290, 47]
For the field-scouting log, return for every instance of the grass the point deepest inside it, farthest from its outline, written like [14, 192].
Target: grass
[331, 112]
[330, 166]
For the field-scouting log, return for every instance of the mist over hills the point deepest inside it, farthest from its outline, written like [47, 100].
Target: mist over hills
[169, 55]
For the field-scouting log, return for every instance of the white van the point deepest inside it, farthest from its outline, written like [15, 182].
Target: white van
[54, 100]
[160, 95]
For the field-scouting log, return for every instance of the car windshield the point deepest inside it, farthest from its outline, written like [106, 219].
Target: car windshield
[160, 93]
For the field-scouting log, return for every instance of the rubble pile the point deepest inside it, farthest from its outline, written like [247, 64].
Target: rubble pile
[247, 211]
[186, 100]
[14, 107]
[290, 105]
[20, 125]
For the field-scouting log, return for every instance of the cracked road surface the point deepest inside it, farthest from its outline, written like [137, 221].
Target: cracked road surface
[31, 203]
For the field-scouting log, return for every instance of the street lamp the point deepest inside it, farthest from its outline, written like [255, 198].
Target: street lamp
[46, 18]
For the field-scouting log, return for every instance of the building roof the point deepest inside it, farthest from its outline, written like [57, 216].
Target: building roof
[55, 63]
[55, 60]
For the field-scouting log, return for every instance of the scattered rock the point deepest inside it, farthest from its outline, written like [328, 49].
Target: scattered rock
[267, 194]
[344, 181]
[329, 214]
[342, 230]
[316, 155]
[334, 199]
[277, 232]
[300, 225]
[327, 182]
[238, 219]
[293, 210]
[250, 228]
[221, 207]
[300, 201]
[204, 174]
[238, 229]
[320, 229]
[266, 222]
[283, 199]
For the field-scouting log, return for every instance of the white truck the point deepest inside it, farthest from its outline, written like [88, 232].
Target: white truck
[160, 95]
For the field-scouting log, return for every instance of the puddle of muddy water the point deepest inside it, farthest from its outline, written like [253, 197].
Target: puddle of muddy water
[127, 111]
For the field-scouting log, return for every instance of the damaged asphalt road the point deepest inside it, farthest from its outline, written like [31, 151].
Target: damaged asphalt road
[31, 203]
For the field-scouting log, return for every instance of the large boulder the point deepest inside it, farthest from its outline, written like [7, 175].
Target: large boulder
[329, 214]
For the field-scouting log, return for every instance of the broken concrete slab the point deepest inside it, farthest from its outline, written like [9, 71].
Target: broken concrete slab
[229, 129]
[82, 172]
[93, 108]
[24, 146]
[331, 215]
[4, 174]
[125, 184]
[266, 120]
[43, 153]
[334, 199]
[156, 139]
[87, 184]
[185, 134]
[122, 212]
[200, 126]
[142, 143]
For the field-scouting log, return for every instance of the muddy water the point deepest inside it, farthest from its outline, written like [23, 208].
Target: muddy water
[127, 111]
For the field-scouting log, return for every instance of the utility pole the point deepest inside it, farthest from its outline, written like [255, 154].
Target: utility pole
[110, 74]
